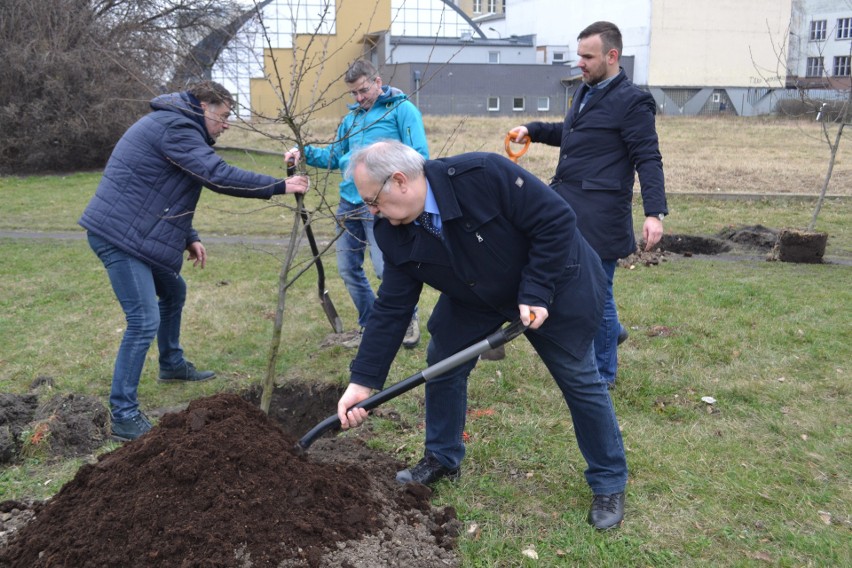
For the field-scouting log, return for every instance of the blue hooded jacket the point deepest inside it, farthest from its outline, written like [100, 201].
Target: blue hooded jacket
[147, 197]
[392, 117]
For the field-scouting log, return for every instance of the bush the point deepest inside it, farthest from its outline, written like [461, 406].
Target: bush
[67, 94]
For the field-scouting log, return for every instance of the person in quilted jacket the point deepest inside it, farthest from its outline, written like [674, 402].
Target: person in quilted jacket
[139, 223]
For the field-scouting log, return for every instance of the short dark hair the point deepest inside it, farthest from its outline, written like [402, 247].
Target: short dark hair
[610, 35]
[361, 68]
[211, 92]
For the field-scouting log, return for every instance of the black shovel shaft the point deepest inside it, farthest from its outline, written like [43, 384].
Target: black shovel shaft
[325, 299]
[496, 339]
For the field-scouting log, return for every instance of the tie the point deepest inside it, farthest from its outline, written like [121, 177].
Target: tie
[587, 97]
[425, 220]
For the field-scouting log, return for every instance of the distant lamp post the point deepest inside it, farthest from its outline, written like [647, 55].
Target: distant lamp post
[499, 35]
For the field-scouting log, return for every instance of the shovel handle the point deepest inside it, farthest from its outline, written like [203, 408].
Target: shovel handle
[515, 155]
[496, 339]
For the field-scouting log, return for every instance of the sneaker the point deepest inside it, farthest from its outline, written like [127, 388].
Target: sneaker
[130, 429]
[607, 511]
[412, 334]
[622, 336]
[427, 471]
[355, 342]
[187, 374]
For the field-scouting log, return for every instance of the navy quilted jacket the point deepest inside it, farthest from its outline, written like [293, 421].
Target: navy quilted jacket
[147, 197]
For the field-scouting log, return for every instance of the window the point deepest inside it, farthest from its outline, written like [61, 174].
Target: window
[543, 104]
[517, 103]
[818, 30]
[558, 56]
[493, 104]
[492, 6]
[844, 28]
[493, 57]
[842, 66]
[815, 67]
[477, 6]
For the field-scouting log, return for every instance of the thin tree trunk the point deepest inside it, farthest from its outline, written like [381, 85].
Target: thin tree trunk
[825, 183]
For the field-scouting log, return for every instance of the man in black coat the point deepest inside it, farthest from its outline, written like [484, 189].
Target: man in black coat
[607, 137]
[498, 244]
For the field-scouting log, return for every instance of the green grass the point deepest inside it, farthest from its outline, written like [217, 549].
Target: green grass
[744, 482]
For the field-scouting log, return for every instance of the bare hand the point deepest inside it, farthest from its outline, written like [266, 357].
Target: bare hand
[539, 315]
[352, 417]
[518, 133]
[292, 156]
[298, 184]
[652, 232]
[197, 253]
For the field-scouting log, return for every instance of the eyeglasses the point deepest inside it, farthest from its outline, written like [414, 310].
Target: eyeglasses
[363, 90]
[374, 202]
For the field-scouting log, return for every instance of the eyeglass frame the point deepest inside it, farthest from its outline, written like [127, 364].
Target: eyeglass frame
[363, 90]
[374, 201]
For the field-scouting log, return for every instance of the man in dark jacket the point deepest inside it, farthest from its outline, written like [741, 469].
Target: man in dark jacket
[139, 223]
[607, 136]
[498, 244]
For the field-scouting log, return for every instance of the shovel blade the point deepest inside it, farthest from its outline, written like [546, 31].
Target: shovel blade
[330, 312]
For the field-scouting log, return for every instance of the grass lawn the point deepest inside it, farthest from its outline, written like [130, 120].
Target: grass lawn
[760, 477]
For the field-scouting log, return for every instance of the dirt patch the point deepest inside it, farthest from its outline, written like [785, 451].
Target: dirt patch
[61, 426]
[220, 484]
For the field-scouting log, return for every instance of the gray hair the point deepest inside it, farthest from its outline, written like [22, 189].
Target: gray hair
[382, 159]
[361, 68]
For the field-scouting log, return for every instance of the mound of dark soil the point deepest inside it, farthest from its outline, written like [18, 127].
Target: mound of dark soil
[220, 484]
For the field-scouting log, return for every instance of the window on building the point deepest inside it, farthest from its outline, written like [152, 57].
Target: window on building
[493, 104]
[842, 66]
[477, 6]
[844, 28]
[815, 67]
[493, 57]
[517, 103]
[558, 56]
[818, 30]
[492, 6]
[543, 104]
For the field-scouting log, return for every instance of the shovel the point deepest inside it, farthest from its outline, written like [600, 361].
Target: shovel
[325, 299]
[496, 339]
[515, 155]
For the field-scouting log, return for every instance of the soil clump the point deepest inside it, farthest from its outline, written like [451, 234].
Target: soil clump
[221, 484]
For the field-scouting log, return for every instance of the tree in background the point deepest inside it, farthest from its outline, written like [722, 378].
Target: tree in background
[77, 73]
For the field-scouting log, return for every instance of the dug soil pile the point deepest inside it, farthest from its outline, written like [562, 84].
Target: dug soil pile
[220, 484]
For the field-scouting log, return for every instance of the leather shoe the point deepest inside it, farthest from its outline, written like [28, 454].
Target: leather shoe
[186, 374]
[607, 511]
[622, 336]
[427, 471]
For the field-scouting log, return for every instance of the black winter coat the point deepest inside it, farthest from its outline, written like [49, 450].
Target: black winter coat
[601, 149]
[508, 239]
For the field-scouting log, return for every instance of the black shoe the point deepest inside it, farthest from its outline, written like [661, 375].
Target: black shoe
[130, 429]
[607, 511]
[187, 374]
[427, 471]
[622, 336]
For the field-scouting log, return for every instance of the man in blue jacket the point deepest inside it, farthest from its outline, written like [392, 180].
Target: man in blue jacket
[608, 135]
[498, 244]
[139, 223]
[380, 112]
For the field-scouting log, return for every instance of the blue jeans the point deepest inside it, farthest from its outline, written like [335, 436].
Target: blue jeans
[606, 340]
[356, 224]
[587, 396]
[152, 299]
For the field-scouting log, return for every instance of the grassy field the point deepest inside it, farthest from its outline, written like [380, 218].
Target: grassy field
[761, 477]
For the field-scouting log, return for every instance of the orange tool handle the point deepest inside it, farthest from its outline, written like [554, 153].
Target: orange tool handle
[515, 155]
